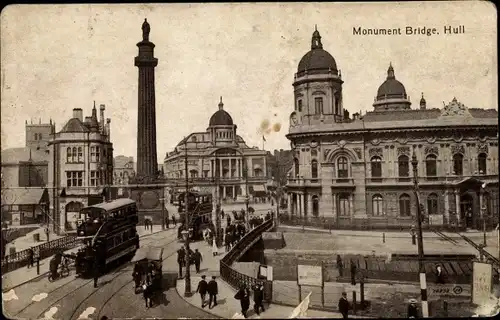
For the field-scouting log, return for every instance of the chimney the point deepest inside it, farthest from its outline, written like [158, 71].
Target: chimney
[78, 113]
[101, 118]
[108, 129]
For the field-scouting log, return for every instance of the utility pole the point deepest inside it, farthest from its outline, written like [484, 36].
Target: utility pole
[247, 198]
[217, 201]
[423, 280]
[187, 279]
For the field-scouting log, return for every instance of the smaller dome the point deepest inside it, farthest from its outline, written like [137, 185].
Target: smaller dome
[391, 88]
[422, 100]
[221, 117]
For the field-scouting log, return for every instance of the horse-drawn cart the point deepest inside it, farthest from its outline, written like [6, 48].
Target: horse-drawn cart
[147, 272]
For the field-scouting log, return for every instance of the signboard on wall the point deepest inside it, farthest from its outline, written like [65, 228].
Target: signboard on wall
[435, 219]
[310, 275]
[481, 282]
[266, 272]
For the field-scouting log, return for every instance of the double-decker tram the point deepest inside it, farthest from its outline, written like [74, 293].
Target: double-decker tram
[108, 232]
[200, 207]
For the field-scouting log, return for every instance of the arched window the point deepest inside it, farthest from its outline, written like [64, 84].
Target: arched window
[80, 154]
[481, 163]
[343, 204]
[376, 164]
[404, 205]
[458, 164]
[314, 169]
[432, 204]
[342, 168]
[377, 202]
[318, 105]
[431, 165]
[74, 155]
[299, 105]
[296, 167]
[315, 206]
[403, 166]
[68, 155]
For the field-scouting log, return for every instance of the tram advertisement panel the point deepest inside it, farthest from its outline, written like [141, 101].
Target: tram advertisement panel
[482, 282]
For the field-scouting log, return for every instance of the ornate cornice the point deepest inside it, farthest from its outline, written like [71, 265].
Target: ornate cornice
[431, 150]
[404, 151]
[376, 152]
[457, 148]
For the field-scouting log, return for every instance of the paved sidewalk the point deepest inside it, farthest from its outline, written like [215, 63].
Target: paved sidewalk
[23, 275]
[26, 241]
[227, 306]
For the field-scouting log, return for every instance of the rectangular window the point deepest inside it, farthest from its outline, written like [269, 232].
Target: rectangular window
[92, 154]
[80, 154]
[74, 178]
[94, 178]
[343, 206]
[97, 154]
[300, 105]
[318, 105]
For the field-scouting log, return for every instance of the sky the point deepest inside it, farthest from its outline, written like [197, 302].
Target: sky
[58, 57]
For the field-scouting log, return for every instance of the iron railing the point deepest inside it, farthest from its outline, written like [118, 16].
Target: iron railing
[20, 259]
[235, 278]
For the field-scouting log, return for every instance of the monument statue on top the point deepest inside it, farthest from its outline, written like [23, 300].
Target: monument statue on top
[145, 30]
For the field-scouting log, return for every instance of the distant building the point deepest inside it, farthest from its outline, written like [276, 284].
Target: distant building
[24, 176]
[123, 169]
[358, 170]
[219, 156]
[80, 166]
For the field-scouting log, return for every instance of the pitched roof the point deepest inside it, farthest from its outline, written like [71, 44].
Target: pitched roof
[74, 125]
[15, 155]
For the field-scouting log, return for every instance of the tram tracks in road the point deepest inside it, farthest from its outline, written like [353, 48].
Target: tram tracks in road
[446, 238]
[115, 274]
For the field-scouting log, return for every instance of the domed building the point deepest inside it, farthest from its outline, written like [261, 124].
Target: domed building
[356, 171]
[218, 157]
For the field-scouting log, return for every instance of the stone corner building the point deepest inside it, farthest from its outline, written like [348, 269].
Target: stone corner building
[357, 170]
[219, 156]
[80, 166]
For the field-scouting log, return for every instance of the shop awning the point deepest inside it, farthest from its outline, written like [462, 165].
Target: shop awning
[24, 196]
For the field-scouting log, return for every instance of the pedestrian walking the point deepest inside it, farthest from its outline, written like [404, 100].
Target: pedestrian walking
[173, 220]
[222, 214]
[202, 290]
[96, 273]
[258, 298]
[31, 258]
[228, 241]
[213, 291]
[181, 254]
[353, 273]
[47, 234]
[167, 222]
[215, 250]
[340, 265]
[244, 296]
[145, 224]
[197, 260]
[344, 305]
[412, 308]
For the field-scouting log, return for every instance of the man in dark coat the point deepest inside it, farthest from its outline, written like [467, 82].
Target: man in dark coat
[173, 220]
[197, 260]
[228, 241]
[344, 305]
[202, 290]
[244, 296]
[167, 222]
[353, 273]
[439, 275]
[258, 298]
[181, 255]
[213, 290]
[31, 258]
[412, 309]
[96, 272]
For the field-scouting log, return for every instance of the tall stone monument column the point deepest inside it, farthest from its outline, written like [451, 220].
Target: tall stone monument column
[147, 190]
[147, 163]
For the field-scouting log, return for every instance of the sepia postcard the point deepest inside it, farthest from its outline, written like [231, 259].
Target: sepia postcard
[250, 160]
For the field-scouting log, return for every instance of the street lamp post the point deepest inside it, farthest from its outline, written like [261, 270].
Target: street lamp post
[187, 279]
[423, 284]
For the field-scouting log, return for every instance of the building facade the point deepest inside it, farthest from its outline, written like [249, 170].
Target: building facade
[358, 170]
[80, 166]
[219, 161]
[123, 170]
[25, 175]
